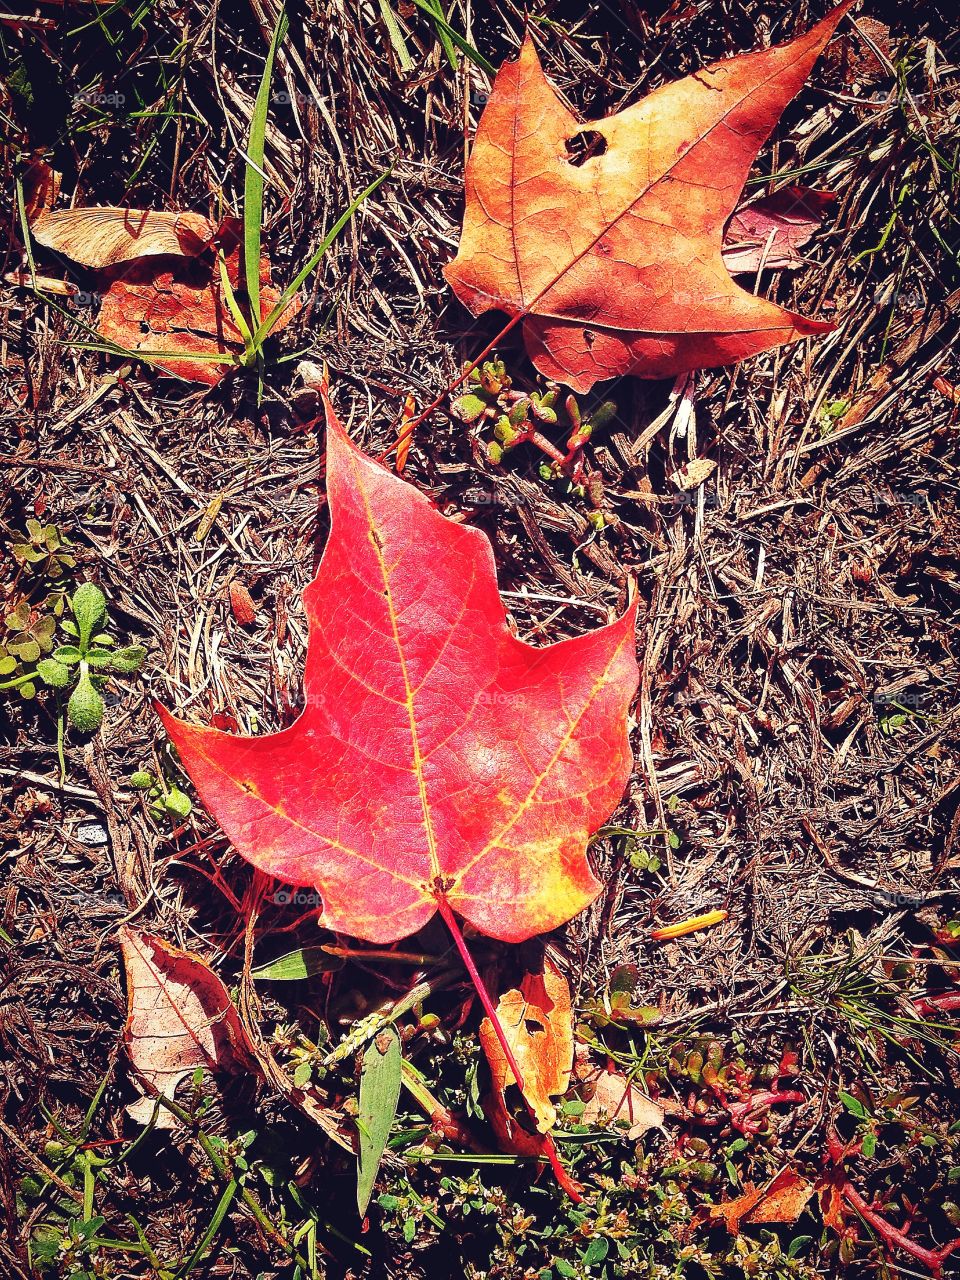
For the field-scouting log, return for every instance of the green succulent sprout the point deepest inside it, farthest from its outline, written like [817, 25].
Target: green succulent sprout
[485, 386]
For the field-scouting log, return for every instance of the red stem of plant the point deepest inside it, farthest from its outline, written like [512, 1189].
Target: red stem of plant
[562, 1175]
[893, 1237]
[548, 1146]
[450, 920]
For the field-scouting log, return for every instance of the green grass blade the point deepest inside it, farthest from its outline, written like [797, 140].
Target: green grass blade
[218, 1216]
[268, 325]
[379, 1095]
[25, 231]
[294, 966]
[449, 48]
[253, 175]
[444, 28]
[239, 319]
[396, 36]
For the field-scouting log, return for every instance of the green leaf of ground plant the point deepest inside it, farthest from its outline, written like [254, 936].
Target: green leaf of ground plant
[85, 708]
[89, 606]
[296, 965]
[379, 1094]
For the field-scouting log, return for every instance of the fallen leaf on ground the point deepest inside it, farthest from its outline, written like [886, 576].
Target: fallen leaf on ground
[693, 473]
[179, 1017]
[405, 433]
[783, 1200]
[41, 186]
[854, 58]
[440, 763]
[241, 603]
[614, 261]
[102, 237]
[162, 293]
[173, 311]
[611, 1100]
[538, 1023]
[771, 231]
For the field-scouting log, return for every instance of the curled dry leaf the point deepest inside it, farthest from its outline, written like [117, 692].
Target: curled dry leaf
[162, 293]
[538, 1022]
[440, 763]
[102, 237]
[782, 1200]
[856, 58]
[611, 1101]
[241, 603]
[41, 186]
[179, 1017]
[614, 261]
[770, 232]
[693, 473]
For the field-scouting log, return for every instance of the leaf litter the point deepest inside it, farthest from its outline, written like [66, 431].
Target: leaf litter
[684, 909]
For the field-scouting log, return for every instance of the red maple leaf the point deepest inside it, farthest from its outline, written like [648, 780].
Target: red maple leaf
[439, 762]
[614, 263]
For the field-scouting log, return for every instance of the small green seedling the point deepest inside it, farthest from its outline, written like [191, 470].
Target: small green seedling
[164, 797]
[88, 663]
[29, 634]
[830, 414]
[519, 416]
[486, 384]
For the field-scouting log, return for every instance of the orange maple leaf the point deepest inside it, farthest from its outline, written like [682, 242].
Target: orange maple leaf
[615, 264]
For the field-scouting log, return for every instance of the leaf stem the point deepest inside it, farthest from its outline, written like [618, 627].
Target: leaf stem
[450, 920]
[410, 426]
[547, 1146]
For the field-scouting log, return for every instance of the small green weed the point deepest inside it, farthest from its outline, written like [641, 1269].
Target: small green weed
[93, 655]
[83, 666]
[164, 796]
[519, 416]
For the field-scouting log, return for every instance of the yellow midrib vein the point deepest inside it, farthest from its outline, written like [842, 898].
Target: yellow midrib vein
[418, 760]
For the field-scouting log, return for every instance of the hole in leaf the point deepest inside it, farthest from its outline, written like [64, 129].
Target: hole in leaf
[534, 1028]
[584, 145]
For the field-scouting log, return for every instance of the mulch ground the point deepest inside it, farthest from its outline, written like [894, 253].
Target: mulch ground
[796, 732]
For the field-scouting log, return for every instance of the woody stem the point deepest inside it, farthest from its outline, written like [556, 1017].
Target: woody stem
[450, 920]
